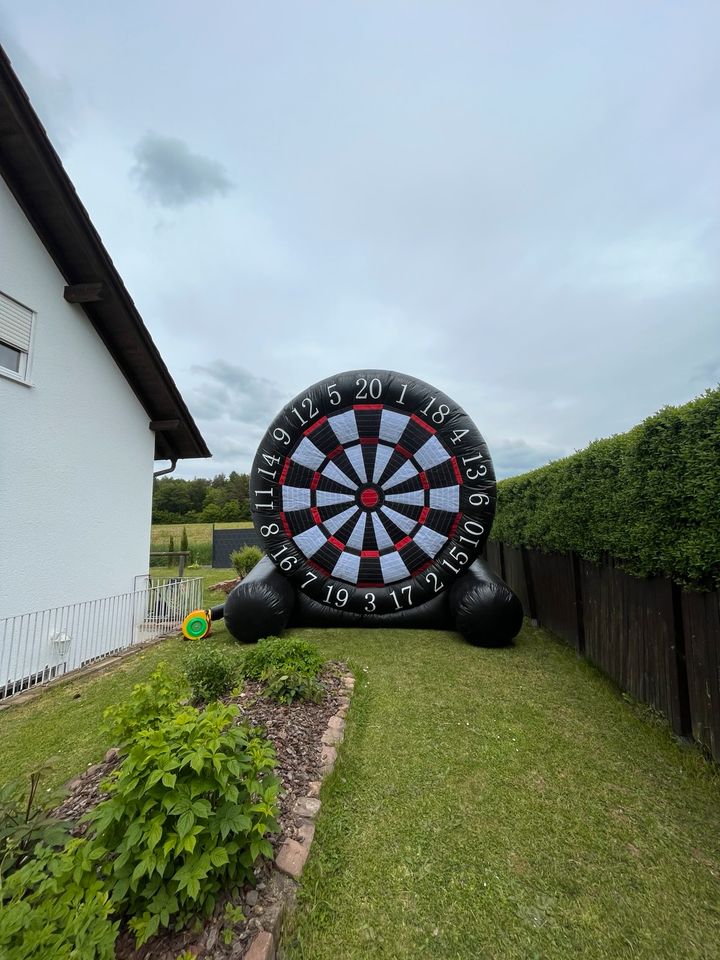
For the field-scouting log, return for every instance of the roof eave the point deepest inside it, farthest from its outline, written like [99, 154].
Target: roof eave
[35, 175]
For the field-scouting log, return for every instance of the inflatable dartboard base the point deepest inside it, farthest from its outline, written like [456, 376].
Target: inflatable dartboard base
[480, 606]
[373, 494]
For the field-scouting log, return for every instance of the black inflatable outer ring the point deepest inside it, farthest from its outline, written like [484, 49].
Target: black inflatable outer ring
[406, 395]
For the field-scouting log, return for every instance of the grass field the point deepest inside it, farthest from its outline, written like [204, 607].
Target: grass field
[199, 537]
[504, 804]
[197, 532]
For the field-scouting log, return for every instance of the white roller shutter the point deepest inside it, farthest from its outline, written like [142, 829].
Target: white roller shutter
[15, 324]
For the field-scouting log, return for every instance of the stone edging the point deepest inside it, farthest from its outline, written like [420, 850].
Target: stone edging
[292, 855]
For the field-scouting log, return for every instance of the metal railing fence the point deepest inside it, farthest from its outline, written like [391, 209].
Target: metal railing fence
[38, 647]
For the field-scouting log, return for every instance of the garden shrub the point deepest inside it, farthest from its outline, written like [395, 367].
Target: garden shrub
[211, 672]
[55, 906]
[244, 560]
[289, 665]
[201, 553]
[148, 704]
[24, 823]
[649, 498]
[289, 687]
[186, 817]
[285, 654]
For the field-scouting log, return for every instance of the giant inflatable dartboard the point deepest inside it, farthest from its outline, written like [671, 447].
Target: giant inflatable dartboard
[372, 491]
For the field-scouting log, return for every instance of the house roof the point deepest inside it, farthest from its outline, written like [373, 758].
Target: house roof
[35, 175]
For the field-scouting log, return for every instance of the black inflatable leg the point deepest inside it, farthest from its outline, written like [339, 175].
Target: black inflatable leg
[261, 605]
[485, 610]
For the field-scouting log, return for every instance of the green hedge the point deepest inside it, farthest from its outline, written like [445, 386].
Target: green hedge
[649, 498]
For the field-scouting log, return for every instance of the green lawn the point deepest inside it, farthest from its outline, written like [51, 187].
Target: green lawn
[62, 728]
[506, 804]
[487, 804]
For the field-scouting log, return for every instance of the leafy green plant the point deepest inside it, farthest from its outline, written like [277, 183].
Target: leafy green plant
[232, 915]
[289, 666]
[201, 553]
[244, 560]
[25, 823]
[56, 906]
[147, 706]
[187, 816]
[211, 672]
[288, 687]
[282, 655]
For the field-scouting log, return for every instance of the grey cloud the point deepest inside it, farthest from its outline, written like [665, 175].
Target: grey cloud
[224, 391]
[170, 174]
[708, 373]
[511, 457]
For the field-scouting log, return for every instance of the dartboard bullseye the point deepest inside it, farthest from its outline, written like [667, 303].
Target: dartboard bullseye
[372, 491]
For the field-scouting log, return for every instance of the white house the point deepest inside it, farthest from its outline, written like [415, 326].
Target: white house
[86, 401]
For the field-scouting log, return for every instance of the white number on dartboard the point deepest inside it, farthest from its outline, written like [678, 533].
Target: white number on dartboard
[374, 388]
[264, 506]
[439, 416]
[432, 577]
[341, 596]
[405, 596]
[310, 409]
[475, 529]
[474, 473]
[334, 394]
[459, 557]
[309, 577]
[369, 602]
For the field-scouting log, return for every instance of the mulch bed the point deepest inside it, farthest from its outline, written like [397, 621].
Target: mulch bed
[296, 733]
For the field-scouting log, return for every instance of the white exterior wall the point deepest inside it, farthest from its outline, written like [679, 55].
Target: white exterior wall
[76, 452]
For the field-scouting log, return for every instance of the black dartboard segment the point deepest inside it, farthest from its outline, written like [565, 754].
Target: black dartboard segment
[372, 491]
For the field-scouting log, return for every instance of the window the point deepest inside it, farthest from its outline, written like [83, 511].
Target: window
[16, 323]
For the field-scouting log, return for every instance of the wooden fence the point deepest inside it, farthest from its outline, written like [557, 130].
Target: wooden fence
[659, 643]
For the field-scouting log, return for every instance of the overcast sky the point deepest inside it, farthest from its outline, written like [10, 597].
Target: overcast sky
[516, 201]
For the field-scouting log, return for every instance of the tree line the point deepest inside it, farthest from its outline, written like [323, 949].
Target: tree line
[200, 500]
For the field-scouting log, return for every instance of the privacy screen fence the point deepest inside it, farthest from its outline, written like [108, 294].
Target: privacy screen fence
[617, 550]
[227, 541]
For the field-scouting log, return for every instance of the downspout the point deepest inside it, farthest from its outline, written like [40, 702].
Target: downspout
[170, 469]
